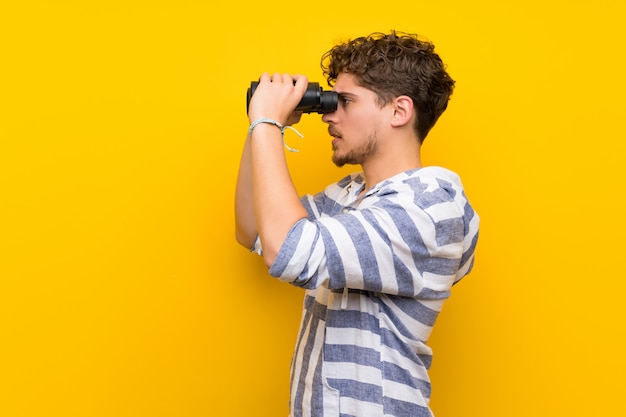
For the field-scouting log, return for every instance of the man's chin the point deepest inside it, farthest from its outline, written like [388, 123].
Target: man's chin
[338, 161]
[341, 161]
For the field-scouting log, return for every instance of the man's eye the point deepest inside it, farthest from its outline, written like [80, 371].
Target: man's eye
[344, 100]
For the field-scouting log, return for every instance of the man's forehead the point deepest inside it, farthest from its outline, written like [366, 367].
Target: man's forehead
[346, 83]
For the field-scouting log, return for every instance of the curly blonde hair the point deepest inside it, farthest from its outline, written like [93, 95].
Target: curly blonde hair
[395, 64]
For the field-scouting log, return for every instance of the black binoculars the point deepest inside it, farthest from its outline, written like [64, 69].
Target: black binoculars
[315, 99]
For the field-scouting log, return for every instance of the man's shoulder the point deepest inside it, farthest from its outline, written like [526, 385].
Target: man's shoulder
[423, 180]
[423, 189]
[434, 175]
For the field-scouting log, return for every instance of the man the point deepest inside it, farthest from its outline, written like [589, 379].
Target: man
[378, 251]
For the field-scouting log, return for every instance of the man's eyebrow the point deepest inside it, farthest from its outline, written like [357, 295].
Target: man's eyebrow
[345, 94]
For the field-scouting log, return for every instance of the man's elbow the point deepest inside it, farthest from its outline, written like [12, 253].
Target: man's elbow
[244, 239]
[269, 258]
[247, 242]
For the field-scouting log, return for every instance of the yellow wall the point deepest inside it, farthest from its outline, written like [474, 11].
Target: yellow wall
[122, 290]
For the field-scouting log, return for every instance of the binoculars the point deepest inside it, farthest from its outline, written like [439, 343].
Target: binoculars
[315, 99]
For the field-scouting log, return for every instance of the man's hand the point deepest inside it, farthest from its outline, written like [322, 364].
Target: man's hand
[276, 98]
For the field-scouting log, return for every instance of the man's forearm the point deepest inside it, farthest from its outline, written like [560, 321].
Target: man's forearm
[277, 205]
[245, 224]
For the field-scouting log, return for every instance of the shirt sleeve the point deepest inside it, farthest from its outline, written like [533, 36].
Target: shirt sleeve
[400, 245]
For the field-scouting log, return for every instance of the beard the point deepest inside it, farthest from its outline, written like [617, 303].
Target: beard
[358, 155]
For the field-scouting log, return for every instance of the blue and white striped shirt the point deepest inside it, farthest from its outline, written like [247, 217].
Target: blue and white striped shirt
[376, 270]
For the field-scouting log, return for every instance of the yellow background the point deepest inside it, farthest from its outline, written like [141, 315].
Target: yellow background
[122, 290]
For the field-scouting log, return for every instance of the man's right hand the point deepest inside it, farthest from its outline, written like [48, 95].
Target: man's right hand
[276, 98]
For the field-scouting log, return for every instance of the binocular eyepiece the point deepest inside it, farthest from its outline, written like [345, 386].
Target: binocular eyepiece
[315, 99]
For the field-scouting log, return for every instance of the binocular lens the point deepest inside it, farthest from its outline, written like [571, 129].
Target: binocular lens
[315, 99]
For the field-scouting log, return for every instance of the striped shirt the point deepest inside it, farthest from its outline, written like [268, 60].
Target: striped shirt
[376, 269]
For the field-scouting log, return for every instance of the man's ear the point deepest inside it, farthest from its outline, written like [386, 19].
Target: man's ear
[403, 111]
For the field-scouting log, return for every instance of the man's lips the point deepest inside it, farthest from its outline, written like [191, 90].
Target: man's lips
[336, 136]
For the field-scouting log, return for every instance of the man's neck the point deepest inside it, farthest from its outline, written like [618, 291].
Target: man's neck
[382, 167]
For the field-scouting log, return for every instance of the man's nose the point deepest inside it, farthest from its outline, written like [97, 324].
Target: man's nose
[329, 117]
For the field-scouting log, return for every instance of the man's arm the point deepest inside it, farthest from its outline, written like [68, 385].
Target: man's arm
[267, 202]
[277, 205]
[245, 224]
